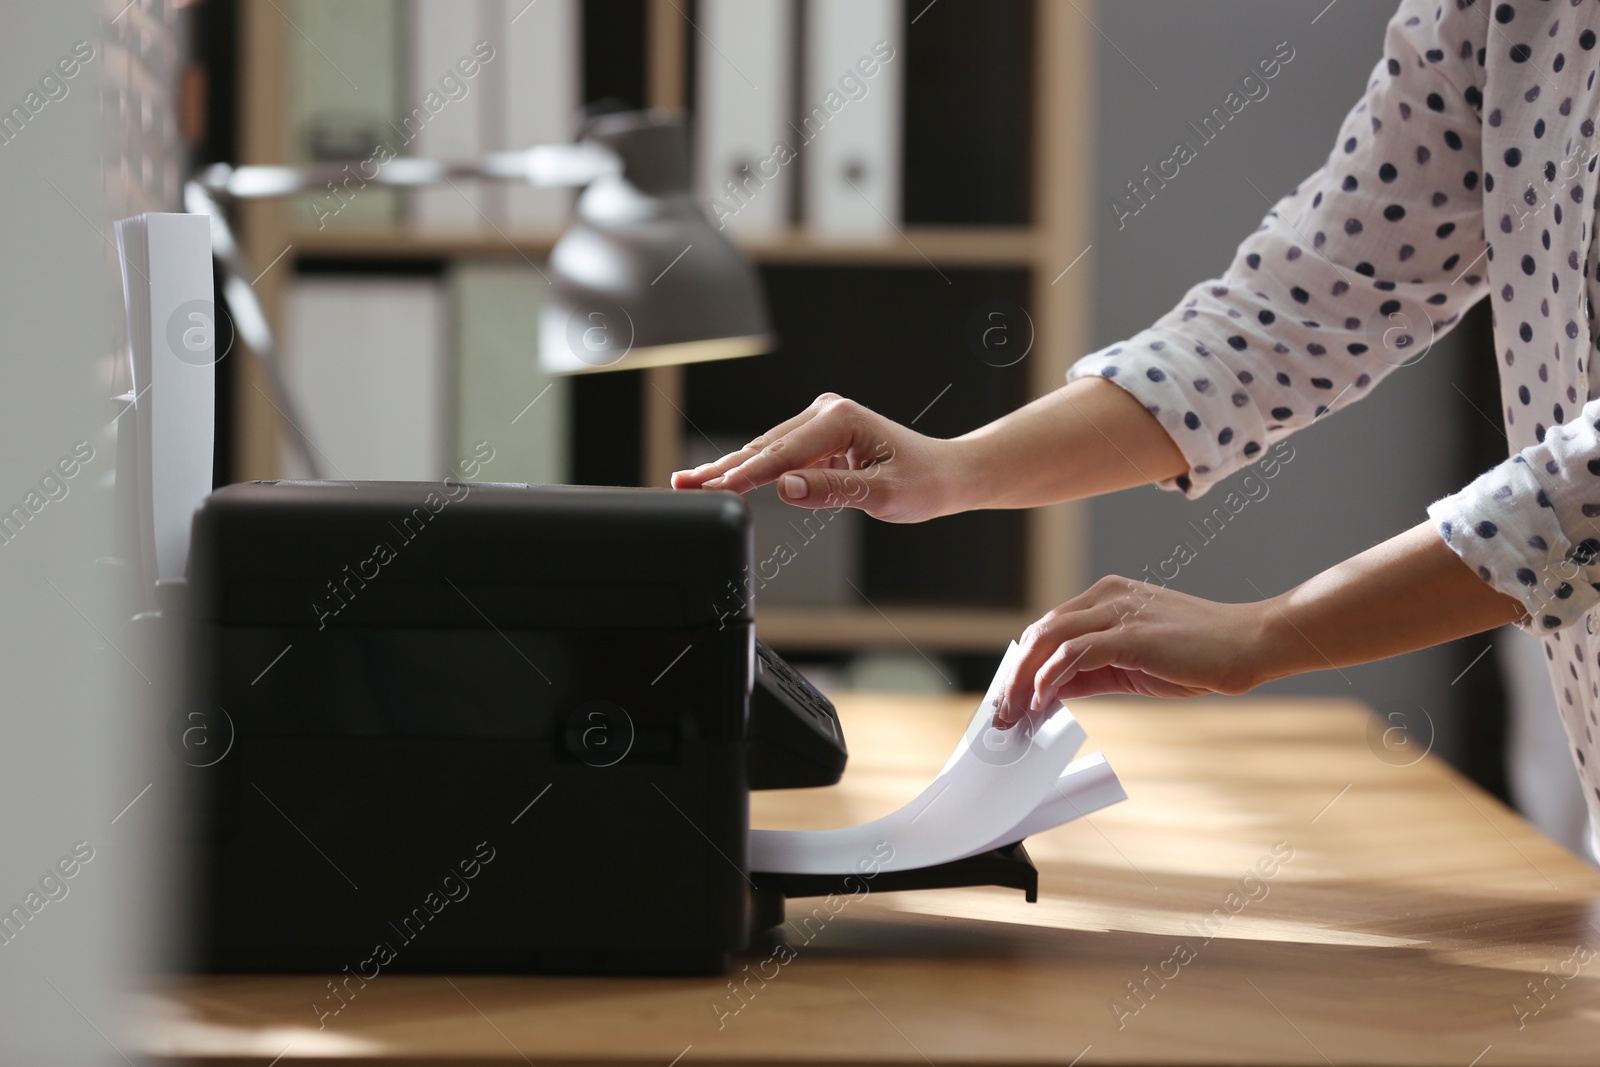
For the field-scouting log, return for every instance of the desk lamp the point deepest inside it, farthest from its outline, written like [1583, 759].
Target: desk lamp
[640, 278]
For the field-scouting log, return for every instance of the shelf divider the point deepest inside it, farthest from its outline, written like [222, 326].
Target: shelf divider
[1062, 306]
[916, 627]
[919, 246]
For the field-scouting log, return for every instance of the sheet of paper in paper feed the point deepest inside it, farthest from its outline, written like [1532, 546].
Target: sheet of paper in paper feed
[996, 788]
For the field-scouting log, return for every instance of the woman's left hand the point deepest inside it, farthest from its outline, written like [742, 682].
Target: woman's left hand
[1126, 636]
[1123, 636]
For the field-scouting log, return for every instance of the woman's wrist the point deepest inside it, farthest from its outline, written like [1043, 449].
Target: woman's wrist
[967, 472]
[1280, 647]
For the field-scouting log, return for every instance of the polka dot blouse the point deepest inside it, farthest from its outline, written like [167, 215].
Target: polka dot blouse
[1467, 170]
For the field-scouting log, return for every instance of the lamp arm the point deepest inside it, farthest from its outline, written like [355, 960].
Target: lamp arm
[543, 166]
[249, 317]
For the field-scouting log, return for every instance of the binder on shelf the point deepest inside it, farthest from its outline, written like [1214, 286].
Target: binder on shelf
[366, 361]
[444, 113]
[534, 100]
[744, 74]
[345, 89]
[171, 314]
[502, 395]
[850, 117]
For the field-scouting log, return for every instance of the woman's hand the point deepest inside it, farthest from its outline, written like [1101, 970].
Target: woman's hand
[1125, 636]
[1085, 438]
[838, 453]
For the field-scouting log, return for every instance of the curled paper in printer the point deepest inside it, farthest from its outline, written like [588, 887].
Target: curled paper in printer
[997, 787]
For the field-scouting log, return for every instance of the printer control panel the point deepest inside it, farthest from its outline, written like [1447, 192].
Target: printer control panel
[795, 732]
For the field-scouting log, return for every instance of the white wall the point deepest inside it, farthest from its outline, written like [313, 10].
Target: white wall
[76, 715]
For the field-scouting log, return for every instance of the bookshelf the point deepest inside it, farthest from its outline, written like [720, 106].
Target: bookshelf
[1056, 237]
[947, 246]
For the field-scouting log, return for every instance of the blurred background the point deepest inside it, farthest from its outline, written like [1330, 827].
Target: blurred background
[943, 252]
[964, 248]
[971, 254]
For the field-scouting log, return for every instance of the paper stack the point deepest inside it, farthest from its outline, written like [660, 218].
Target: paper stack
[998, 787]
[168, 298]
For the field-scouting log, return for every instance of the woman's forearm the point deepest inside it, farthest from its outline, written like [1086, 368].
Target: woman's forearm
[1126, 636]
[1086, 438]
[1409, 592]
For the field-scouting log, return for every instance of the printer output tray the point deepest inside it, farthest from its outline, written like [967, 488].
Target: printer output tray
[1008, 866]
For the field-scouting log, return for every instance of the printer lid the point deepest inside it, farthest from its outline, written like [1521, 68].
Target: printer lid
[457, 553]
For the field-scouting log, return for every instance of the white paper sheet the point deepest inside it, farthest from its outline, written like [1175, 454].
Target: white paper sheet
[996, 788]
[1087, 785]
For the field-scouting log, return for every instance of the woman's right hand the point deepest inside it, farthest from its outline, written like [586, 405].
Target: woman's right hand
[838, 453]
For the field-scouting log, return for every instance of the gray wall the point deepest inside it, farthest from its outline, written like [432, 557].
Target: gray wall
[75, 737]
[1359, 476]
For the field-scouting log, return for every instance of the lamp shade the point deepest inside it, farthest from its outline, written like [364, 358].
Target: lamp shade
[641, 278]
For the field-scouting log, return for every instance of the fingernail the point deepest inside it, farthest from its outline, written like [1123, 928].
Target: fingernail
[713, 483]
[794, 486]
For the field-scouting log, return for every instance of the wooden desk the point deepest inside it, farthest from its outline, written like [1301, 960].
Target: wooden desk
[1405, 929]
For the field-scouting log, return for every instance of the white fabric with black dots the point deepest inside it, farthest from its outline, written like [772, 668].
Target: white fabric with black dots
[1466, 170]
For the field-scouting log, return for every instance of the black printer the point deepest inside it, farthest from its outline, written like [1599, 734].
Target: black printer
[489, 727]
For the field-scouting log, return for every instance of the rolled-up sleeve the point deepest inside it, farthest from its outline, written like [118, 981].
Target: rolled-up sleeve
[1530, 527]
[1351, 275]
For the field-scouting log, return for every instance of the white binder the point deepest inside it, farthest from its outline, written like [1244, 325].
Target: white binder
[366, 359]
[744, 73]
[538, 99]
[502, 395]
[347, 79]
[850, 121]
[441, 120]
